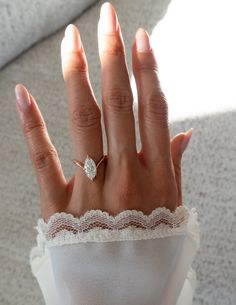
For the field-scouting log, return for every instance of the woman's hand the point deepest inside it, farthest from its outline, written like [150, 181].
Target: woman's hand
[127, 179]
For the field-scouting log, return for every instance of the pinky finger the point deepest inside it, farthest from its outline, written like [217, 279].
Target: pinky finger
[176, 154]
[178, 145]
[44, 157]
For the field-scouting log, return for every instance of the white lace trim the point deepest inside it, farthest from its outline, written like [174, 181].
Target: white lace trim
[99, 226]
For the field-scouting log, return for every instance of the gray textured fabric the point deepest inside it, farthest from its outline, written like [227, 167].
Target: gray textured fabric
[209, 167]
[23, 23]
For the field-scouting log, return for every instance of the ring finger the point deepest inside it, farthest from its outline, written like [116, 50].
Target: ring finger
[153, 108]
[84, 113]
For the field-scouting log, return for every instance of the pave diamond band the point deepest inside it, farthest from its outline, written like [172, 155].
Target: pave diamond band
[89, 166]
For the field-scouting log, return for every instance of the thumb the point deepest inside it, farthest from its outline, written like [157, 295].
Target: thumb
[178, 145]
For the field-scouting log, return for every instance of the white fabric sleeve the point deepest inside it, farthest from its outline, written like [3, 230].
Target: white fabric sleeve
[130, 258]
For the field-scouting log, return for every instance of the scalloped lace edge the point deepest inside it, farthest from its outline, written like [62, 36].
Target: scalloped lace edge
[189, 226]
[183, 219]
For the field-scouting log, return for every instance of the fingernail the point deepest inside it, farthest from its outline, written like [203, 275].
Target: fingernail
[142, 41]
[186, 140]
[72, 39]
[108, 18]
[22, 97]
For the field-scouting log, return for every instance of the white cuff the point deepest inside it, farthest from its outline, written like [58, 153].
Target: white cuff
[130, 258]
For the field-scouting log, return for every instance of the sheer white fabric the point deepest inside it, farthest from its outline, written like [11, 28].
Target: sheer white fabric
[130, 258]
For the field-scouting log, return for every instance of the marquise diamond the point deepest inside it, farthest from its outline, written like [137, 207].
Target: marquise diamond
[90, 168]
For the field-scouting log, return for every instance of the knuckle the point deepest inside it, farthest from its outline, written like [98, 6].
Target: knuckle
[76, 64]
[156, 106]
[149, 66]
[75, 73]
[43, 159]
[86, 116]
[119, 100]
[29, 125]
[114, 46]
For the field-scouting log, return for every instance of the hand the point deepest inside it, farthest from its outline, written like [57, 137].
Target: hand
[127, 179]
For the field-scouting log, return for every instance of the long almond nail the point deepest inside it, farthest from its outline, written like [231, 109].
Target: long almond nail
[72, 39]
[142, 41]
[22, 97]
[108, 18]
[186, 140]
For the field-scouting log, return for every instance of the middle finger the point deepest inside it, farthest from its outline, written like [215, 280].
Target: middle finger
[116, 90]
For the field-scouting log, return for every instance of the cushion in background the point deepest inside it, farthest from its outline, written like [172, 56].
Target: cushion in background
[23, 23]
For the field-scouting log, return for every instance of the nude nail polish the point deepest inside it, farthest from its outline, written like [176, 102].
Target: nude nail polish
[108, 18]
[186, 140]
[22, 97]
[72, 42]
[142, 41]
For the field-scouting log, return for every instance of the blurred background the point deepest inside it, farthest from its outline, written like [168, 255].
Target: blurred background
[194, 42]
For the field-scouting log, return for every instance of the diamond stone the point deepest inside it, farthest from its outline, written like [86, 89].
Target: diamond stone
[90, 168]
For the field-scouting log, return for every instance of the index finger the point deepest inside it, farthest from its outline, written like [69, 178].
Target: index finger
[44, 157]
